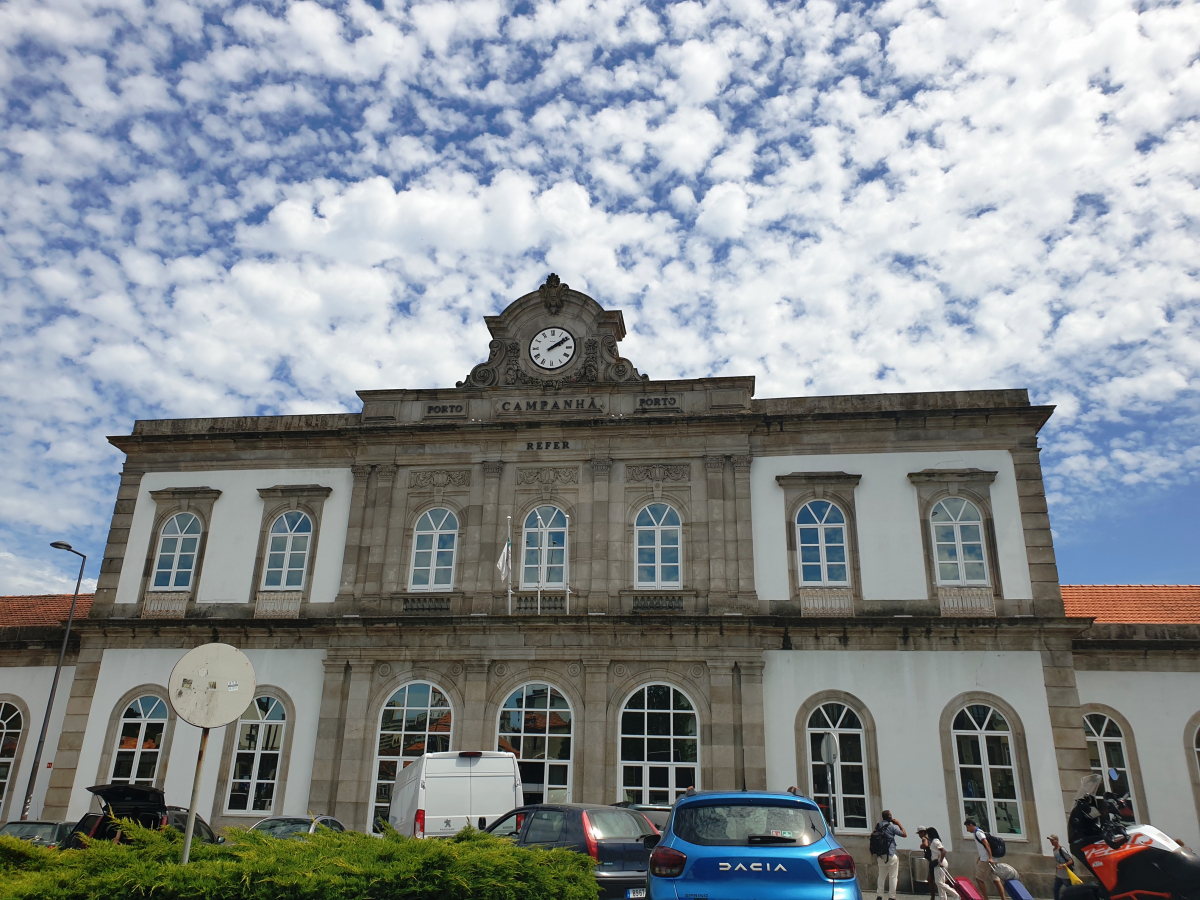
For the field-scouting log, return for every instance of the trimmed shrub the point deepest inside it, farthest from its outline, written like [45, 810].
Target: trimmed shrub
[324, 866]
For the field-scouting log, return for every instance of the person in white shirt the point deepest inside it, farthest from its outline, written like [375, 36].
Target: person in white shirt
[984, 866]
[939, 865]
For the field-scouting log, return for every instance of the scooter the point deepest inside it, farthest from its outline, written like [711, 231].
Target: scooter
[1130, 863]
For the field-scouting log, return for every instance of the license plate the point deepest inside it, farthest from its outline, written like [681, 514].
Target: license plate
[635, 892]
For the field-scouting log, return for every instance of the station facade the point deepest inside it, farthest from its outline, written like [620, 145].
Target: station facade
[701, 584]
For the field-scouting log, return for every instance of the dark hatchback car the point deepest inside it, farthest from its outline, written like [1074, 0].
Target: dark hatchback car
[145, 805]
[43, 834]
[614, 837]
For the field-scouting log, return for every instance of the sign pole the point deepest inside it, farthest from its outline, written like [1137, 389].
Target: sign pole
[511, 563]
[829, 757]
[567, 562]
[191, 819]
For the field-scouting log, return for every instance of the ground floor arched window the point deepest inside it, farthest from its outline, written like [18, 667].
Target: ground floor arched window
[11, 723]
[536, 724]
[660, 752]
[987, 776]
[414, 721]
[844, 802]
[1107, 752]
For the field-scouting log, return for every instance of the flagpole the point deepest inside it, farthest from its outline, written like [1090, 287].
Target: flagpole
[510, 565]
[567, 563]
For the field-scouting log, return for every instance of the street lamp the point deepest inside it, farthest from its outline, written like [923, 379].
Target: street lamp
[37, 757]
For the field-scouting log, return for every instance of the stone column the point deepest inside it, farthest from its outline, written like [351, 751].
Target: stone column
[350, 792]
[598, 594]
[354, 531]
[718, 588]
[721, 698]
[753, 718]
[592, 738]
[745, 535]
[473, 731]
[490, 546]
[70, 740]
[376, 538]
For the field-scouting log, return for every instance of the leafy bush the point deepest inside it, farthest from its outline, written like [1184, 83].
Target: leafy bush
[323, 866]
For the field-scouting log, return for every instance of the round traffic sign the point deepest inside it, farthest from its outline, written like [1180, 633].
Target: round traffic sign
[212, 685]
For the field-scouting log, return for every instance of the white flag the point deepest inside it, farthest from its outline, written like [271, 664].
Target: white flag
[503, 562]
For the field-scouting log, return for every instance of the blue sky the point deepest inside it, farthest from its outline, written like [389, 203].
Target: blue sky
[218, 208]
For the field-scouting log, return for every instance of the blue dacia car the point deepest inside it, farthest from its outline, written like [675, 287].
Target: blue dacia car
[748, 845]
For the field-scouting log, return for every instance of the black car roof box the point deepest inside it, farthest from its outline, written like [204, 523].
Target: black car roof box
[124, 801]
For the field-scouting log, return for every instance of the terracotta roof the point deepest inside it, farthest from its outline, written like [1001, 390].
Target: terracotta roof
[1134, 603]
[41, 609]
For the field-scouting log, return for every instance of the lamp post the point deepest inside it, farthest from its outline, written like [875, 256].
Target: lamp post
[37, 757]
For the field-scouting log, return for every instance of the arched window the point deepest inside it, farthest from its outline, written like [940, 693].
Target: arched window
[1106, 747]
[847, 807]
[660, 754]
[821, 539]
[11, 724]
[535, 724]
[987, 776]
[657, 528]
[434, 544]
[414, 721]
[545, 548]
[958, 542]
[256, 757]
[177, 550]
[287, 554]
[140, 743]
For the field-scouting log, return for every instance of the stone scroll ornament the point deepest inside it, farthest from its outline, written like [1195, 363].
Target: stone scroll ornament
[548, 476]
[440, 478]
[658, 473]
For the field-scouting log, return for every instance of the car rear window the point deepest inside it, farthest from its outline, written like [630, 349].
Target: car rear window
[615, 823]
[283, 827]
[734, 825]
[546, 827]
[38, 832]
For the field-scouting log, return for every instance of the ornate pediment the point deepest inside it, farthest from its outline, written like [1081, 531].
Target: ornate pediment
[552, 338]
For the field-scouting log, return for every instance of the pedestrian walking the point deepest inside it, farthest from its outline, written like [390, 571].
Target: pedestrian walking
[923, 834]
[985, 865]
[939, 866]
[1063, 863]
[883, 848]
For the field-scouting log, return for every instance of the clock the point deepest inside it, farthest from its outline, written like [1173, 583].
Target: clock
[552, 348]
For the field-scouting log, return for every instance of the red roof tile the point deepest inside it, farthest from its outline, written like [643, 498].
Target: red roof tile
[41, 609]
[1134, 603]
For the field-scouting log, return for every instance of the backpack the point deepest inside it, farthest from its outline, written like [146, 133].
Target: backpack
[996, 844]
[879, 840]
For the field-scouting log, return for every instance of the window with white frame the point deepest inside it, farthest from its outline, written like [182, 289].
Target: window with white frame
[535, 724]
[415, 720]
[256, 757]
[987, 772]
[434, 543]
[11, 724]
[845, 803]
[821, 542]
[143, 728]
[1106, 749]
[289, 541]
[545, 559]
[657, 534]
[660, 752]
[178, 546]
[958, 542]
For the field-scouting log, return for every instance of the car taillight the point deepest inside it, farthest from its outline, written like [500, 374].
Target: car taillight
[837, 865]
[593, 850]
[667, 862]
[419, 824]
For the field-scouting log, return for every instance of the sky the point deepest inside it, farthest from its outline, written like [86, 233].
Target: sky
[225, 208]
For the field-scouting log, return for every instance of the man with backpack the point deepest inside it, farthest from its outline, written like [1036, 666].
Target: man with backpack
[883, 848]
[989, 847]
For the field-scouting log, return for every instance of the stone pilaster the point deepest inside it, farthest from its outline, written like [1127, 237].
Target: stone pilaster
[354, 531]
[70, 740]
[354, 776]
[474, 733]
[1066, 721]
[488, 579]
[117, 547]
[722, 747]
[753, 726]
[395, 562]
[718, 588]
[331, 725]
[1035, 522]
[745, 536]
[376, 538]
[592, 751]
[598, 593]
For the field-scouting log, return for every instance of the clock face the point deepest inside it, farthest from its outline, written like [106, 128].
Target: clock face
[552, 348]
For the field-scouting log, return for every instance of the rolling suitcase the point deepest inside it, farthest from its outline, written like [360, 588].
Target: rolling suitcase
[966, 889]
[1017, 891]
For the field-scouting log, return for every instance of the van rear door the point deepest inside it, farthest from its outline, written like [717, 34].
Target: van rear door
[495, 788]
[447, 794]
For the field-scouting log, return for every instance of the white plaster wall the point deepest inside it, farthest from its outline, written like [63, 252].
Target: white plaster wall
[32, 685]
[1157, 706]
[906, 692]
[300, 673]
[889, 536]
[233, 535]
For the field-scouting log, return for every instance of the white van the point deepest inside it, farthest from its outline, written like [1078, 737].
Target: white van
[439, 794]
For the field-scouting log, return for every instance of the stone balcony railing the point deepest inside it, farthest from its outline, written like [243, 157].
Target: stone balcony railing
[826, 601]
[278, 604]
[427, 605]
[165, 604]
[548, 605]
[967, 601]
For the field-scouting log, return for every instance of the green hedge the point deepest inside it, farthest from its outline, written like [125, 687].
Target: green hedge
[323, 866]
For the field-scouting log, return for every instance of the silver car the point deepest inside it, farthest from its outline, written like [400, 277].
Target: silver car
[293, 826]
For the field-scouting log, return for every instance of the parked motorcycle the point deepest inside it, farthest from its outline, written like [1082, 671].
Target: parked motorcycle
[1130, 863]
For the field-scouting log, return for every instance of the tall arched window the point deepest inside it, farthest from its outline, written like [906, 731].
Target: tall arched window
[177, 549]
[434, 543]
[987, 775]
[535, 724]
[657, 528]
[958, 542]
[256, 757]
[821, 539]
[11, 723]
[414, 721]
[846, 807]
[287, 552]
[545, 548]
[660, 753]
[140, 742]
[1106, 748]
